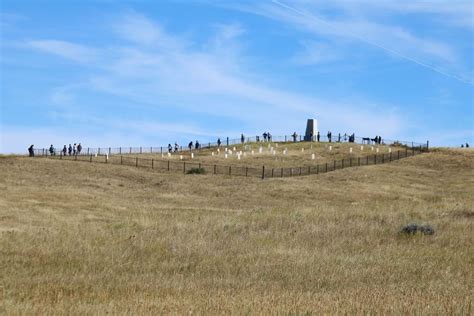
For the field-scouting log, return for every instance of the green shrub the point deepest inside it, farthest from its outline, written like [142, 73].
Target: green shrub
[196, 171]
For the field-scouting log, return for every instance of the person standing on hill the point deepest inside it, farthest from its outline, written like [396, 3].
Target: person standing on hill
[74, 149]
[170, 148]
[219, 142]
[79, 148]
[269, 136]
[31, 151]
[196, 144]
[70, 149]
[242, 138]
[190, 146]
[318, 137]
[51, 150]
[329, 136]
[64, 150]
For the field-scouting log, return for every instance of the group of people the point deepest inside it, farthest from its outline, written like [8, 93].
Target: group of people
[196, 145]
[467, 145]
[67, 150]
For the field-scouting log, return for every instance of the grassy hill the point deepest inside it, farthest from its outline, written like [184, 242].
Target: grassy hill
[90, 238]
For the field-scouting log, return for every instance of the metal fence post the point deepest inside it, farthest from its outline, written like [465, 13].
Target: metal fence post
[326, 167]
[230, 170]
[152, 162]
[98, 151]
[375, 159]
[263, 172]
[168, 165]
[246, 171]
[184, 166]
[88, 150]
[358, 161]
[136, 161]
[272, 172]
[334, 164]
[90, 159]
[215, 167]
[130, 150]
[121, 159]
[281, 171]
[120, 150]
[317, 169]
[342, 164]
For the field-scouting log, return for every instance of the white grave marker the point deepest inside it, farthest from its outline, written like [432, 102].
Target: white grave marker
[181, 157]
[350, 150]
[389, 150]
[330, 147]
[361, 148]
[225, 156]
[377, 150]
[313, 156]
[253, 152]
[302, 149]
[192, 155]
[212, 154]
[372, 148]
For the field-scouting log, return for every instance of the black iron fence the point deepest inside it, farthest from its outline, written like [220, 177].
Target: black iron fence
[226, 142]
[263, 172]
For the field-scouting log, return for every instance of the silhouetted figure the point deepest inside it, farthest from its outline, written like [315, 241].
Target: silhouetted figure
[74, 149]
[242, 138]
[311, 137]
[257, 138]
[197, 145]
[64, 150]
[190, 145]
[269, 136]
[79, 148]
[318, 137]
[218, 142]
[339, 138]
[329, 137]
[462, 145]
[294, 137]
[69, 149]
[265, 137]
[170, 148]
[51, 150]
[176, 147]
[467, 145]
[31, 151]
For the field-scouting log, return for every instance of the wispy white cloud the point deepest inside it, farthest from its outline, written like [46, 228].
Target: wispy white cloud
[356, 22]
[64, 49]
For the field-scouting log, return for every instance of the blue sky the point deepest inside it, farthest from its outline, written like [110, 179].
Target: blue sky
[121, 73]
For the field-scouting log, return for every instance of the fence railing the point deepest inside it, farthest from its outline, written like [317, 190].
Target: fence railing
[164, 164]
[226, 142]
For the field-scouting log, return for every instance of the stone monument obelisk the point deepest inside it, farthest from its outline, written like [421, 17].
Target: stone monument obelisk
[311, 129]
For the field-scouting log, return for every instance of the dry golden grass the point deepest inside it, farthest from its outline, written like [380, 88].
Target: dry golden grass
[95, 238]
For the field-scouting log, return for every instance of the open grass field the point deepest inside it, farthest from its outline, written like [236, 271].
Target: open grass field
[95, 238]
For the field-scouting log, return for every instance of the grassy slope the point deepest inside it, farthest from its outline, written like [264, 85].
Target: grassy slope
[92, 238]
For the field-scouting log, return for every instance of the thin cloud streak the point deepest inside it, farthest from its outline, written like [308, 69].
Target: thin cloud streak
[354, 35]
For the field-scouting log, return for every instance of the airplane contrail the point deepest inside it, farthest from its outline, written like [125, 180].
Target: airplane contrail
[440, 71]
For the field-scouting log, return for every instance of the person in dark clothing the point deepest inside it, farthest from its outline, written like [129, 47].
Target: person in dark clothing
[462, 145]
[79, 148]
[294, 136]
[339, 138]
[176, 147]
[265, 137]
[64, 150]
[70, 149]
[318, 136]
[74, 149]
[467, 145]
[242, 138]
[269, 136]
[31, 151]
[218, 142]
[170, 148]
[257, 138]
[329, 136]
[51, 150]
[190, 146]
[197, 145]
